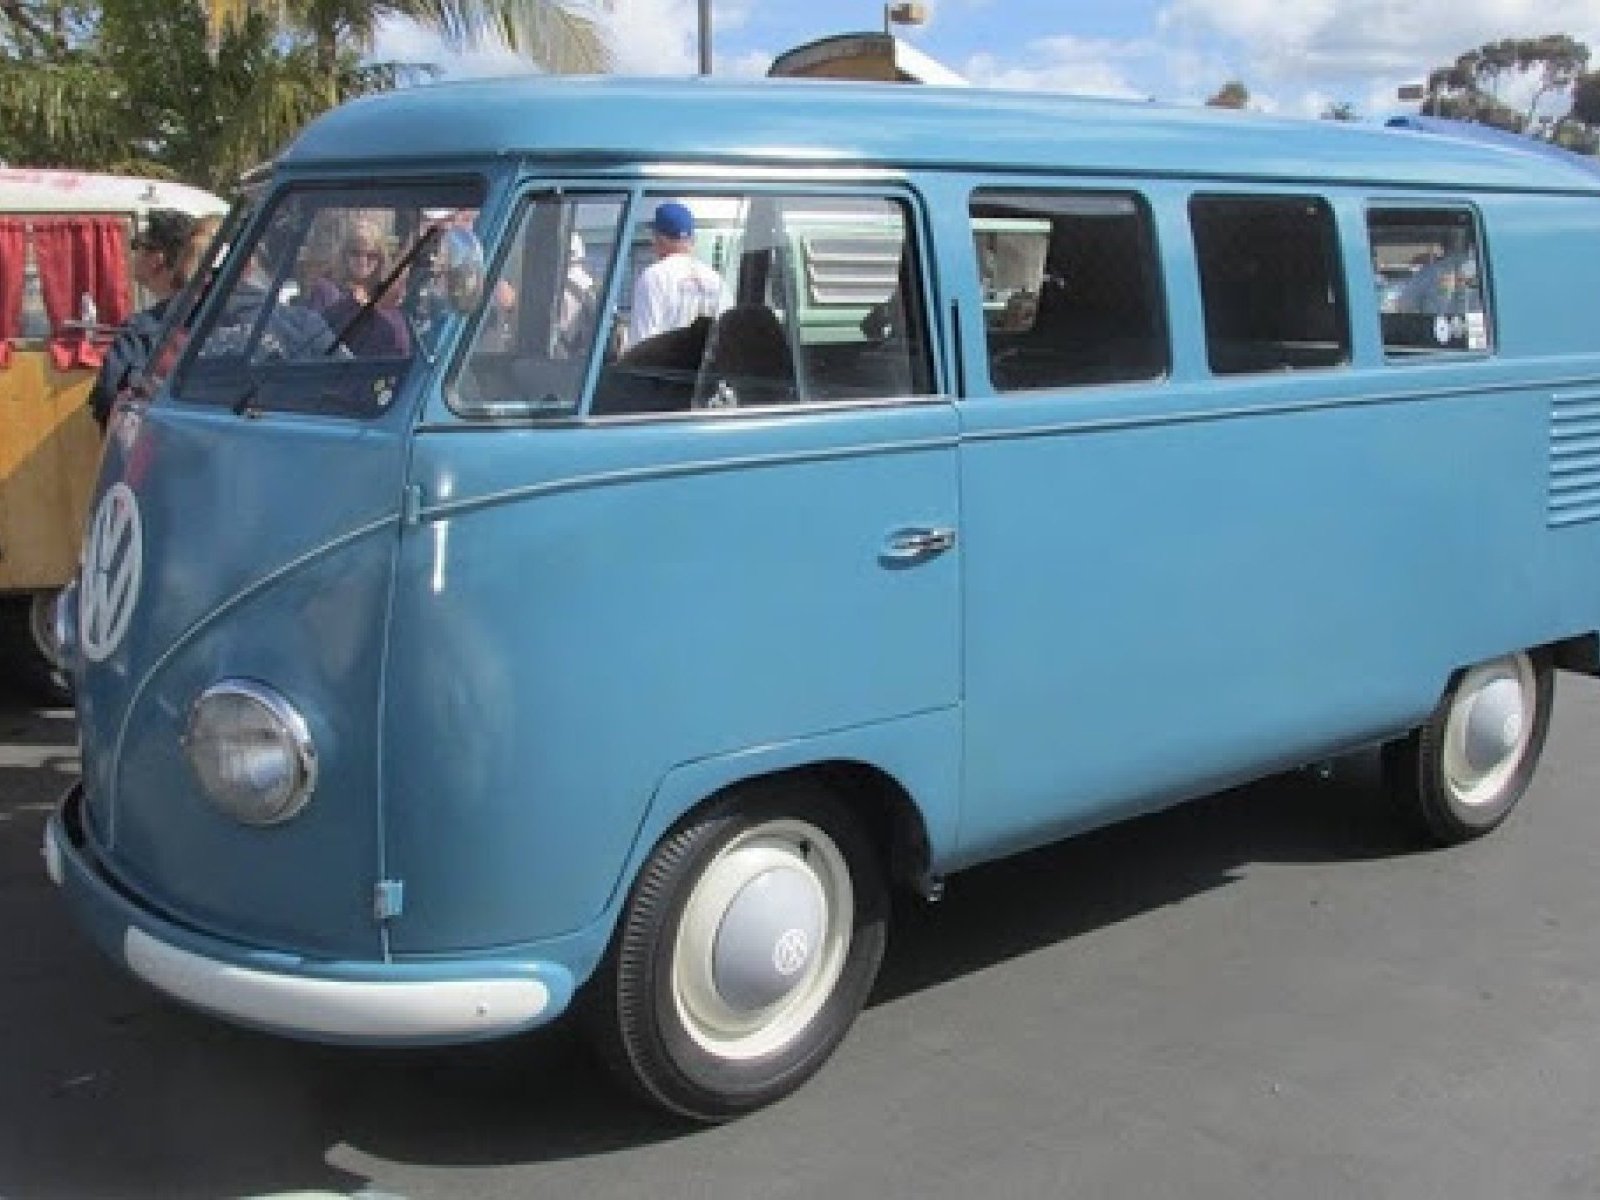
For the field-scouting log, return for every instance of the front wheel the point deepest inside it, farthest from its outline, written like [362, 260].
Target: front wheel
[27, 648]
[748, 946]
[1464, 770]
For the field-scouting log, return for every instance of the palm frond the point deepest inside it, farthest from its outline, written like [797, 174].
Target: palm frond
[558, 35]
[64, 112]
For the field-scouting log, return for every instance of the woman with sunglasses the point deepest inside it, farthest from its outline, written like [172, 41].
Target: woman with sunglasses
[359, 275]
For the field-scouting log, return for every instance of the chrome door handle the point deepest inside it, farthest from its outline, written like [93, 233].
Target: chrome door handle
[909, 545]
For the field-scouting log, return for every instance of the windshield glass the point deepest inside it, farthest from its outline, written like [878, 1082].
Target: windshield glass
[330, 301]
[200, 262]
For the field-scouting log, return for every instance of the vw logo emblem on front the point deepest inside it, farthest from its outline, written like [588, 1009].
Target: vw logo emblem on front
[113, 563]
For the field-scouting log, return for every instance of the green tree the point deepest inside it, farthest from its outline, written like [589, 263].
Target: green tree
[1586, 99]
[1232, 94]
[204, 91]
[316, 56]
[135, 90]
[1580, 129]
[57, 102]
[1340, 110]
[1469, 88]
[561, 36]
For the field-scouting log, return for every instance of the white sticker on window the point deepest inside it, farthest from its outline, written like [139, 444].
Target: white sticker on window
[1477, 332]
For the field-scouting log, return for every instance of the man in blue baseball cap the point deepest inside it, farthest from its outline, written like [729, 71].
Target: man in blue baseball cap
[675, 289]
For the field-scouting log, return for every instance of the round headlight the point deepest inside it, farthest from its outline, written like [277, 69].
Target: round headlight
[251, 751]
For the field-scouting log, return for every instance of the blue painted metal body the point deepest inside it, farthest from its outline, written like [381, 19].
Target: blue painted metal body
[570, 635]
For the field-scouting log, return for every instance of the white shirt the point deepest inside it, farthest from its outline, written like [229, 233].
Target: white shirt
[670, 293]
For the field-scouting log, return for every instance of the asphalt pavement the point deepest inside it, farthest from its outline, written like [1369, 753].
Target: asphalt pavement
[1268, 993]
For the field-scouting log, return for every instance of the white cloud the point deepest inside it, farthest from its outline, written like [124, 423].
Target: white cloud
[662, 37]
[1082, 66]
[1295, 56]
[657, 37]
[1317, 43]
[401, 40]
[745, 66]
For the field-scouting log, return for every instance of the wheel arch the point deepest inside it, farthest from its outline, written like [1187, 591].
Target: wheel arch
[891, 818]
[902, 776]
[1580, 654]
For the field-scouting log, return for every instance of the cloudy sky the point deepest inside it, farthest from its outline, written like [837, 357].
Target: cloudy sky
[1295, 56]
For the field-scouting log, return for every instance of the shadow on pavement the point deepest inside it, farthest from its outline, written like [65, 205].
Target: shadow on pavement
[110, 1091]
[1008, 908]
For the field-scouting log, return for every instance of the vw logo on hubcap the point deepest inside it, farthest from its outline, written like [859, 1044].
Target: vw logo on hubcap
[791, 952]
[113, 562]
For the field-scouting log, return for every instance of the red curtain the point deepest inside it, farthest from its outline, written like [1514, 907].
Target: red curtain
[13, 261]
[78, 257]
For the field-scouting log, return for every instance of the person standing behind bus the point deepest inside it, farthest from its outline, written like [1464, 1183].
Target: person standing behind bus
[159, 255]
[675, 289]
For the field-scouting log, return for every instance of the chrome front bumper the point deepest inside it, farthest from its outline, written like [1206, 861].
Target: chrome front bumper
[381, 1003]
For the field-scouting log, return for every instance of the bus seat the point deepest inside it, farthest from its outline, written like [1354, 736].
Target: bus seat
[747, 361]
[656, 375]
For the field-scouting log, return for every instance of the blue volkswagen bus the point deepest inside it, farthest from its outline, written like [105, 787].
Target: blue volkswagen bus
[1042, 463]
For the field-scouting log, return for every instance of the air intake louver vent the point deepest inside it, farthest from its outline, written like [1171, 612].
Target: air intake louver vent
[1574, 458]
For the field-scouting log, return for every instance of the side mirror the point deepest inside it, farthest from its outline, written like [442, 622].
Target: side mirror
[460, 265]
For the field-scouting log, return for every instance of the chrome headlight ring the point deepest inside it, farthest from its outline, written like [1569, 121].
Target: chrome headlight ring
[64, 626]
[251, 751]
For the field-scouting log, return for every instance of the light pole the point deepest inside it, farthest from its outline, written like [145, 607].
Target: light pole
[907, 12]
[705, 37]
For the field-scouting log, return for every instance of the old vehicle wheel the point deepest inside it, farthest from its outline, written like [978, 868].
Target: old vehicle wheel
[748, 946]
[1464, 771]
[28, 649]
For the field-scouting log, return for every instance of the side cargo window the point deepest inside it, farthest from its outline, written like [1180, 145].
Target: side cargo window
[1071, 291]
[1426, 266]
[1270, 279]
[758, 300]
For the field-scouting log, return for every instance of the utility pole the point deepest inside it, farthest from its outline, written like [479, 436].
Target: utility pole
[705, 37]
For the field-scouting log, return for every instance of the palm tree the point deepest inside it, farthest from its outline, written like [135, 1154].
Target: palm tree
[204, 91]
[560, 36]
[51, 89]
[321, 48]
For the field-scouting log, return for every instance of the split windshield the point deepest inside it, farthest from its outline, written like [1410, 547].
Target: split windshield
[334, 298]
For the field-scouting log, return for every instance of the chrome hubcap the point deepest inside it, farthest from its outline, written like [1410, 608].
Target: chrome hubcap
[1488, 728]
[763, 939]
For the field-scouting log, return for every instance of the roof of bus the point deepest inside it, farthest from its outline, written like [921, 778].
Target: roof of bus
[809, 123]
[43, 190]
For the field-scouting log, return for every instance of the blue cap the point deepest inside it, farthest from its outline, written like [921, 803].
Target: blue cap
[673, 220]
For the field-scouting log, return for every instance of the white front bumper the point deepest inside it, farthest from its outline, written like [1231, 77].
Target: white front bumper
[400, 1011]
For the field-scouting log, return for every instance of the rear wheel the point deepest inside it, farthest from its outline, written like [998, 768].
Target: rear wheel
[748, 946]
[1464, 770]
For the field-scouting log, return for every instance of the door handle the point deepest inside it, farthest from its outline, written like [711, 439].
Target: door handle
[911, 545]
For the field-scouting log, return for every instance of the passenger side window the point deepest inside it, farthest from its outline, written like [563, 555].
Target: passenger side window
[762, 300]
[1427, 269]
[1070, 285]
[1270, 280]
[540, 311]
